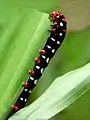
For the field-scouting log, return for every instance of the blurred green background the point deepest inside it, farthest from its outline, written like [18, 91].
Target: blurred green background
[73, 53]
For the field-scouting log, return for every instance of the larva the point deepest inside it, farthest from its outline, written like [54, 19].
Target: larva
[56, 37]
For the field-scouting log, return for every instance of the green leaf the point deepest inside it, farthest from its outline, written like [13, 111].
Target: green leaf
[8, 8]
[61, 93]
[19, 44]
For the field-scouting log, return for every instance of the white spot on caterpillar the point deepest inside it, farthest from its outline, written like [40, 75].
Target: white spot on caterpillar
[49, 46]
[31, 78]
[58, 42]
[42, 70]
[53, 50]
[61, 24]
[52, 39]
[26, 89]
[43, 56]
[30, 91]
[35, 82]
[21, 98]
[37, 67]
[25, 100]
[60, 34]
[58, 16]
[47, 60]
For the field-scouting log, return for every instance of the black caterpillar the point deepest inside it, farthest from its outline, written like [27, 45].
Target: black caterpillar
[56, 37]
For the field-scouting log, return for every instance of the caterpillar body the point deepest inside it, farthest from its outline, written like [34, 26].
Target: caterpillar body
[56, 37]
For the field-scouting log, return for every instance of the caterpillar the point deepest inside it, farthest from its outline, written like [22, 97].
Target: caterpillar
[54, 41]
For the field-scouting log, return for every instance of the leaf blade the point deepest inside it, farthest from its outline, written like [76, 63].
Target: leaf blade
[47, 105]
[20, 54]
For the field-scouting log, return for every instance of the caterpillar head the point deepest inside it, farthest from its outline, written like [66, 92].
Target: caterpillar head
[54, 15]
